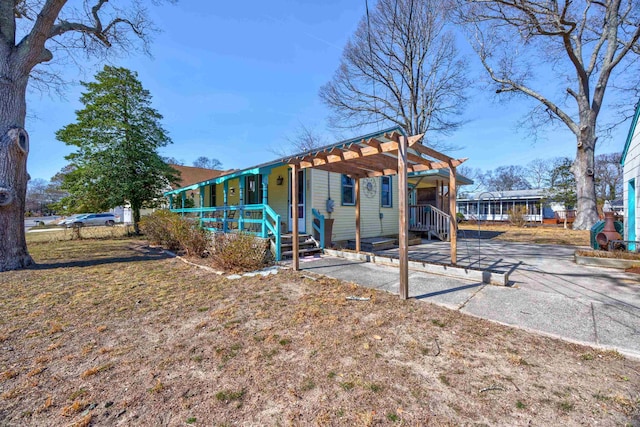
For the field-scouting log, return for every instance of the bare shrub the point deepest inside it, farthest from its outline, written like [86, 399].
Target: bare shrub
[240, 251]
[517, 216]
[174, 232]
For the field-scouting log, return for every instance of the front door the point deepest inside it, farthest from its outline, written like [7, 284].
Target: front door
[301, 202]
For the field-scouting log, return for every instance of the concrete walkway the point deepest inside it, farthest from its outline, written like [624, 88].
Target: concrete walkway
[549, 293]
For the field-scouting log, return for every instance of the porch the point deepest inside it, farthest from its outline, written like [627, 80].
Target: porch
[297, 193]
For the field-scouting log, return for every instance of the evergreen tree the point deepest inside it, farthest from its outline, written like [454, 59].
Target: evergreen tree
[117, 135]
[562, 186]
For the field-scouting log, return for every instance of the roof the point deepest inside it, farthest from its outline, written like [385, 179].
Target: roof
[191, 175]
[360, 143]
[536, 193]
[632, 130]
[440, 173]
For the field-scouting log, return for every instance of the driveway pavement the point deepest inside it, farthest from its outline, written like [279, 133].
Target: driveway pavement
[549, 293]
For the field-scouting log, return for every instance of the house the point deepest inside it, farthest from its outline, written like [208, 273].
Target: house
[188, 175]
[350, 186]
[630, 178]
[496, 205]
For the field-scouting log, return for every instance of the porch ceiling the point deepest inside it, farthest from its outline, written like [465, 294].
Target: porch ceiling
[374, 156]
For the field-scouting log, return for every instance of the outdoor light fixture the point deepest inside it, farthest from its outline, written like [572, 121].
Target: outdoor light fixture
[233, 191]
[279, 180]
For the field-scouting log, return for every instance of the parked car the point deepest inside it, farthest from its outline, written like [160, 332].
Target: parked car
[95, 219]
[71, 219]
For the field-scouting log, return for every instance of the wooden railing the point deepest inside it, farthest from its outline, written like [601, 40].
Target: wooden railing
[428, 218]
[258, 219]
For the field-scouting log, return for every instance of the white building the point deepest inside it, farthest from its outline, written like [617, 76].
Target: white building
[631, 177]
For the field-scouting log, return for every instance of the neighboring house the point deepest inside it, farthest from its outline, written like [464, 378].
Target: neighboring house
[495, 206]
[631, 178]
[258, 199]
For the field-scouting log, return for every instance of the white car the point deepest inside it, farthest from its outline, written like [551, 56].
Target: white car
[106, 218]
[71, 219]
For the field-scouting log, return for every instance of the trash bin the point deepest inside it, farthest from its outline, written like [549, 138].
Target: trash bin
[598, 227]
[328, 231]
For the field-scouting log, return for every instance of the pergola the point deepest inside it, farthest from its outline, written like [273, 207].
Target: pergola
[390, 154]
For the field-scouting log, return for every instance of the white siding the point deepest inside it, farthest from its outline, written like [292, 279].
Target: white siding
[631, 170]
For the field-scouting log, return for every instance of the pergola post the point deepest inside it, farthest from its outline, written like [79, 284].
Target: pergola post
[453, 223]
[201, 202]
[294, 217]
[403, 210]
[357, 191]
[171, 202]
[184, 200]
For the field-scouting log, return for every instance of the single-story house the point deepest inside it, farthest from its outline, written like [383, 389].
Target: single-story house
[630, 161]
[496, 205]
[188, 175]
[353, 184]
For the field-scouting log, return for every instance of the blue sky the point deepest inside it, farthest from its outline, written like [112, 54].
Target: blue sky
[235, 80]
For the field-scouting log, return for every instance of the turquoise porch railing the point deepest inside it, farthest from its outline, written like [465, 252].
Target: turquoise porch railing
[320, 226]
[259, 219]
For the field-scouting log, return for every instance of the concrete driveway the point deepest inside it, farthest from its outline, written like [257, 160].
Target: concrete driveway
[549, 293]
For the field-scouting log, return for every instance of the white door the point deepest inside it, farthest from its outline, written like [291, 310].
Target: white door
[301, 202]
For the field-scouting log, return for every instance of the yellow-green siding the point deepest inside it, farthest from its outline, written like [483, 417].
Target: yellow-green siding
[371, 225]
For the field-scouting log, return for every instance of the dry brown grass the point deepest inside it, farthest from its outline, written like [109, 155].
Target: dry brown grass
[534, 234]
[148, 340]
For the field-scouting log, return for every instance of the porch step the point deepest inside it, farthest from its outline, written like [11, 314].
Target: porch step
[306, 245]
[302, 252]
[288, 238]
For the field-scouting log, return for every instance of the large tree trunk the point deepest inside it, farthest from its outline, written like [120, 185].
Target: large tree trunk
[582, 168]
[14, 148]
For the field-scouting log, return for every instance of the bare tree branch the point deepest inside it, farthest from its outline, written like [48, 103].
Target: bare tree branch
[400, 67]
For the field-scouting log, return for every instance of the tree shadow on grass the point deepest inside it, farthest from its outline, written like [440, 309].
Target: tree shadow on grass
[142, 253]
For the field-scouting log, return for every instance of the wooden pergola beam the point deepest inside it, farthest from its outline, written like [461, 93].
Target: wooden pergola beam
[342, 169]
[430, 152]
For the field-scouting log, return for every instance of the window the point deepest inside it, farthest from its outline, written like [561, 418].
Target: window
[253, 189]
[212, 195]
[348, 191]
[385, 192]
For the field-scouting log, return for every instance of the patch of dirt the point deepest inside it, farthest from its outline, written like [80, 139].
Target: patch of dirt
[536, 234]
[110, 333]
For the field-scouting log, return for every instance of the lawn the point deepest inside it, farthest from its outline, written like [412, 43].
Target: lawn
[112, 332]
[532, 234]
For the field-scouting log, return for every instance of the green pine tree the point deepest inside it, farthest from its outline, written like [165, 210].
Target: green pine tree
[117, 135]
[562, 185]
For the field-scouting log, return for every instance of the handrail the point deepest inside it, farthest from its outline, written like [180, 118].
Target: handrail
[430, 219]
[271, 215]
[319, 228]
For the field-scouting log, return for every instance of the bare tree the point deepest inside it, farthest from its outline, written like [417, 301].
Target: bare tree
[538, 172]
[304, 138]
[207, 163]
[31, 33]
[505, 178]
[564, 55]
[608, 176]
[400, 67]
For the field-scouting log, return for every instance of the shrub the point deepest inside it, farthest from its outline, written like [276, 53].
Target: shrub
[240, 251]
[517, 216]
[174, 232]
[459, 217]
